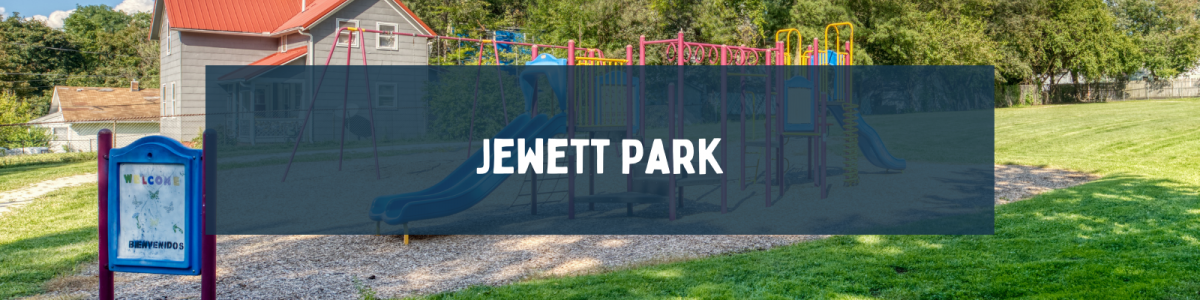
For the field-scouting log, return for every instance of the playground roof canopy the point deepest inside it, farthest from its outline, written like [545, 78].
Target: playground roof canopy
[258, 17]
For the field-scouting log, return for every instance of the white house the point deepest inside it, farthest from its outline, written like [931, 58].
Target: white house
[78, 113]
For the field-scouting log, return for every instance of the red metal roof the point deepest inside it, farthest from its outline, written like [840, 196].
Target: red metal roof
[280, 58]
[258, 16]
[274, 59]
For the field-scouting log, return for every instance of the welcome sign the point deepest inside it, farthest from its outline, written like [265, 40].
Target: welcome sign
[154, 203]
[152, 198]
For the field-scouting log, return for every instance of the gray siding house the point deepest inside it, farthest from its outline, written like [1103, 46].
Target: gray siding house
[197, 33]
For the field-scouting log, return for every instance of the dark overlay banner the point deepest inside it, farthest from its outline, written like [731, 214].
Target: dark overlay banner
[554, 149]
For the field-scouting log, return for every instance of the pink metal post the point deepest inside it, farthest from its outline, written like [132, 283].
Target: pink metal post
[724, 120]
[312, 104]
[780, 52]
[767, 97]
[534, 51]
[370, 104]
[570, 128]
[671, 200]
[471, 127]
[500, 81]
[629, 116]
[346, 97]
[742, 96]
[629, 108]
[103, 145]
[642, 87]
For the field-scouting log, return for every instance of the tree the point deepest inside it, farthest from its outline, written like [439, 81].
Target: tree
[14, 110]
[30, 47]
[1165, 33]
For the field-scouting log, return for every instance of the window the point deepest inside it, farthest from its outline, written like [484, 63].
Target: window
[167, 43]
[346, 36]
[385, 95]
[385, 41]
[162, 100]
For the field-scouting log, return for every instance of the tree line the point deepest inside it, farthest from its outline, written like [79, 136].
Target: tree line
[1029, 41]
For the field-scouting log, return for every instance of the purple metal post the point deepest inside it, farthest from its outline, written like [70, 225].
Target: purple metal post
[208, 247]
[570, 127]
[346, 97]
[533, 113]
[724, 120]
[671, 142]
[370, 105]
[103, 144]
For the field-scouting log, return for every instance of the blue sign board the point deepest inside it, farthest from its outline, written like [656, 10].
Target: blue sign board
[154, 206]
[799, 105]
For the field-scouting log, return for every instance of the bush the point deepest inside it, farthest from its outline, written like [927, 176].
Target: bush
[48, 158]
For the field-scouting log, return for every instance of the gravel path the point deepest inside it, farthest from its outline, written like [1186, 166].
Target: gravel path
[326, 267]
[1016, 183]
[13, 199]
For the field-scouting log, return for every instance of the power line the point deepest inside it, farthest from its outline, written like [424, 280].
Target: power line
[67, 75]
[66, 49]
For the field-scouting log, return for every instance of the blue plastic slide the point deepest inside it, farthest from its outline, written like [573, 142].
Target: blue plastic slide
[456, 177]
[870, 143]
[463, 188]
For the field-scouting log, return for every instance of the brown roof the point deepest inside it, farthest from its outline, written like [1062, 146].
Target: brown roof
[93, 103]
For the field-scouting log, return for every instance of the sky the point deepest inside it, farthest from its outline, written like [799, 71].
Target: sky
[54, 11]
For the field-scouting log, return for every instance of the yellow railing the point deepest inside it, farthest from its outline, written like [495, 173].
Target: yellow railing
[787, 44]
[838, 40]
[595, 61]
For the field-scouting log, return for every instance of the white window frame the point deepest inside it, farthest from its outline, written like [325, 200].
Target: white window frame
[174, 99]
[353, 34]
[168, 43]
[379, 37]
[395, 94]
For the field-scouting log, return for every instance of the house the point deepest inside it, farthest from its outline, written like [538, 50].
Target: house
[194, 34]
[78, 113]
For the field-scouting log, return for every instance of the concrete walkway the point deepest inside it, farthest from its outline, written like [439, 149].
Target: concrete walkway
[13, 199]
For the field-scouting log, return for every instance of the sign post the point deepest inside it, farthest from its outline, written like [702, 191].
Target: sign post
[151, 205]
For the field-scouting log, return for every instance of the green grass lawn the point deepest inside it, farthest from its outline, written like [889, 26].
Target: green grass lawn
[1134, 234]
[12, 178]
[47, 238]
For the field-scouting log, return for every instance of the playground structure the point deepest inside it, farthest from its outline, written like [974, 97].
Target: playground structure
[604, 99]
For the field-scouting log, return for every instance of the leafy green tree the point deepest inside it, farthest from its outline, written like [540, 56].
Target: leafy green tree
[87, 22]
[1165, 33]
[30, 47]
[15, 110]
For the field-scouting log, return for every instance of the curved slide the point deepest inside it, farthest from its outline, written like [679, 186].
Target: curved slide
[870, 143]
[463, 188]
